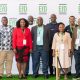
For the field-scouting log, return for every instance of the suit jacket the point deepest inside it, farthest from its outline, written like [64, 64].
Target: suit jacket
[53, 29]
[46, 37]
[74, 36]
[67, 29]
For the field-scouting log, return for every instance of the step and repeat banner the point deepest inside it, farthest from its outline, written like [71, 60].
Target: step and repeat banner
[15, 9]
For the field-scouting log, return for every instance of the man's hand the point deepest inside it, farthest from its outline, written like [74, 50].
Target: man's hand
[53, 54]
[30, 50]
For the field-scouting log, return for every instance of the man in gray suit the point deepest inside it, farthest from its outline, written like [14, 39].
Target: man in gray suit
[41, 38]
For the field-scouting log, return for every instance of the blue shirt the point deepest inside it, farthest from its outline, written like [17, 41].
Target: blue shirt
[40, 35]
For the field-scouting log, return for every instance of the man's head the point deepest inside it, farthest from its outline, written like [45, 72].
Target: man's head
[30, 20]
[39, 21]
[4, 21]
[53, 18]
[72, 20]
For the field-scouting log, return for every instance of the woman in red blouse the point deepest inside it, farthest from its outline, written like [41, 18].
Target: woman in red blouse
[22, 45]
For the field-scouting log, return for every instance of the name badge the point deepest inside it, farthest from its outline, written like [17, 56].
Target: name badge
[38, 38]
[24, 42]
[77, 41]
[61, 46]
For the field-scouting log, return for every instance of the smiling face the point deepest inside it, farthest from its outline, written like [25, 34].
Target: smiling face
[39, 21]
[72, 20]
[53, 18]
[30, 19]
[22, 23]
[4, 21]
[61, 27]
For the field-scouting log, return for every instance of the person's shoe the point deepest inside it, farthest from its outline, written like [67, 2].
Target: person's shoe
[10, 76]
[0, 77]
[46, 76]
[26, 74]
[20, 76]
[24, 77]
[69, 73]
[65, 78]
[77, 76]
[35, 76]
[51, 75]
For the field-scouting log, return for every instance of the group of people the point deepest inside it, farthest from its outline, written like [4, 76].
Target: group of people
[42, 41]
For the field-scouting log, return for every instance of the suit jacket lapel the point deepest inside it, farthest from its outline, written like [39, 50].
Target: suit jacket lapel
[43, 33]
[35, 30]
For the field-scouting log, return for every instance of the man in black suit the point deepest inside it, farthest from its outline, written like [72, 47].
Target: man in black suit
[53, 26]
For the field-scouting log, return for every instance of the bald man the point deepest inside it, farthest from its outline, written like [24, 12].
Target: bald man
[31, 21]
[53, 26]
[41, 38]
[31, 24]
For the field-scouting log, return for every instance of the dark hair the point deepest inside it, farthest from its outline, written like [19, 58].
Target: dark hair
[18, 23]
[61, 23]
[5, 18]
[72, 16]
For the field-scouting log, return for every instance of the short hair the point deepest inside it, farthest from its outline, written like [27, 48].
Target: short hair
[72, 16]
[5, 18]
[18, 23]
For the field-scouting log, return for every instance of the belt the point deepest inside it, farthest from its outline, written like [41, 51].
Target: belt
[39, 45]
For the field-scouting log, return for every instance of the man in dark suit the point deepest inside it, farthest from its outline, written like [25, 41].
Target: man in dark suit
[31, 21]
[70, 29]
[53, 26]
[41, 39]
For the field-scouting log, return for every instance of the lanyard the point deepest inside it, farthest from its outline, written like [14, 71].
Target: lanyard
[39, 30]
[71, 29]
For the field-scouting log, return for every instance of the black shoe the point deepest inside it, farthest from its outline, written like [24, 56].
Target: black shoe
[77, 76]
[35, 76]
[69, 73]
[0, 77]
[46, 76]
[51, 74]
[26, 74]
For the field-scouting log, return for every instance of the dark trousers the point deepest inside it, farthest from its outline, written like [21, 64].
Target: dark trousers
[77, 61]
[50, 61]
[40, 52]
[27, 68]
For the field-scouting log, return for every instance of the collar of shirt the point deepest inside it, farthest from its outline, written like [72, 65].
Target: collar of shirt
[53, 22]
[40, 26]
